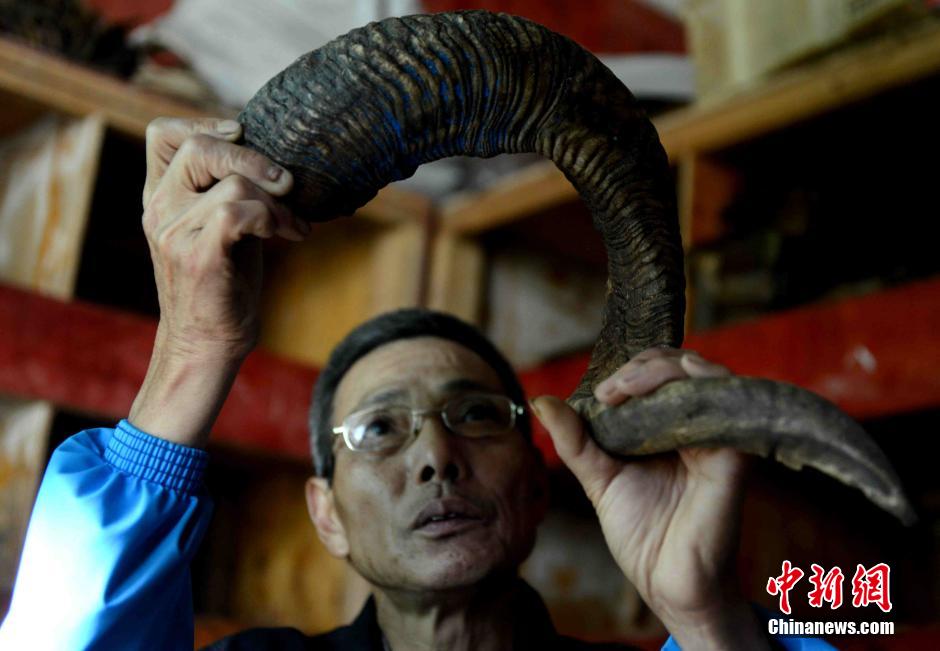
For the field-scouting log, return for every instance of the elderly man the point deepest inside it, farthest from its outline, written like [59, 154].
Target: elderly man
[426, 481]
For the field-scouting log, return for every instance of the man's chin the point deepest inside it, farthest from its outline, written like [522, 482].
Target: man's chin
[455, 577]
[456, 566]
[465, 558]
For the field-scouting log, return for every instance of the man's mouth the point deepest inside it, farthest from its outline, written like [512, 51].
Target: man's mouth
[448, 516]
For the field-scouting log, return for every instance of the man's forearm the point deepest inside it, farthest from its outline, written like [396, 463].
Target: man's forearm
[183, 391]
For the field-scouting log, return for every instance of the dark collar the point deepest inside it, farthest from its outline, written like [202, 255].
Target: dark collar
[533, 628]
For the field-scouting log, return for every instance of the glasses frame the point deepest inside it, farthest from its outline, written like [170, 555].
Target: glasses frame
[418, 416]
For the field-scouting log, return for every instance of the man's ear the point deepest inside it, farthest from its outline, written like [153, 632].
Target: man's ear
[321, 506]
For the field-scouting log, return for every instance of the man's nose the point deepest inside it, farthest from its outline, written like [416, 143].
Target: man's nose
[437, 453]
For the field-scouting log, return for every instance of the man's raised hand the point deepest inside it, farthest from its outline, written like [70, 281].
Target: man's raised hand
[207, 204]
[670, 521]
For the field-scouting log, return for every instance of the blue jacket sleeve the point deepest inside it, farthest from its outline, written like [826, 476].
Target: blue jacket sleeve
[786, 642]
[105, 565]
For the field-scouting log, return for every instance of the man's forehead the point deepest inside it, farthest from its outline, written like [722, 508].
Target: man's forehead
[403, 391]
[424, 364]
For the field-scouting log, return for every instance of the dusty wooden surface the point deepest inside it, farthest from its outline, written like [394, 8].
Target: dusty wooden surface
[24, 427]
[347, 271]
[457, 276]
[46, 179]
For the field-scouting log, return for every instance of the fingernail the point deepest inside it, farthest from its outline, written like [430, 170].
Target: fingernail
[274, 172]
[535, 410]
[695, 360]
[227, 127]
[629, 376]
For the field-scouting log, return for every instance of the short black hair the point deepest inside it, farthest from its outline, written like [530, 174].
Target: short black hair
[401, 324]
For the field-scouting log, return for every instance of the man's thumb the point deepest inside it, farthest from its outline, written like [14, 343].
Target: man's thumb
[572, 442]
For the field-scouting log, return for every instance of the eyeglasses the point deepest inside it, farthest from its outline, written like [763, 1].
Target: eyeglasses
[387, 428]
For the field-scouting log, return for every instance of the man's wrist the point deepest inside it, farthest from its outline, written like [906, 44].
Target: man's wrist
[184, 390]
[734, 625]
[173, 343]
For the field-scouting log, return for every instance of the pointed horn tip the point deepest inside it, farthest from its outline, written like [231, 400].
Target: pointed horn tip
[898, 505]
[639, 427]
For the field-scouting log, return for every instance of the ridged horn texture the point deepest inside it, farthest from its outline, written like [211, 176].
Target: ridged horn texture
[369, 107]
[771, 419]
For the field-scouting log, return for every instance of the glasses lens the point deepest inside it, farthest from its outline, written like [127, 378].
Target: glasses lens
[378, 429]
[480, 415]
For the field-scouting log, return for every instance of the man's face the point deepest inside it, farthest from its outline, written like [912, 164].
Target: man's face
[494, 485]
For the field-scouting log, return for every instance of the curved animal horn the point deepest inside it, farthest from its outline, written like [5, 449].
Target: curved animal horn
[369, 107]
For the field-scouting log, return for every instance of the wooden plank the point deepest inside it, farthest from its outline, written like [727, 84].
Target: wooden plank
[394, 204]
[92, 359]
[847, 76]
[24, 427]
[874, 356]
[43, 79]
[399, 263]
[317, 290]
[531, 190]
[74, 89]
[47, 175]
[894, 59]
[457, 274]
[347, 272]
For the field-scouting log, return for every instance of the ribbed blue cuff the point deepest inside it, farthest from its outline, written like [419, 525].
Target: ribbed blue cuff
[171, 465]
[786, 642]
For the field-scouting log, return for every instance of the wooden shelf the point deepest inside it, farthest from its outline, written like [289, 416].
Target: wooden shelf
[873, 356]
[850, 75]
[75, 89]
[104, 377]
[34, 79]
[841, 78]
[531, 190]
[93, 359]
[844, 77]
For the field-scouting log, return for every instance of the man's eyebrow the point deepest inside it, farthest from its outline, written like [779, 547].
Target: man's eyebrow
[466, 384]
[379, 397]
[401, 394]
